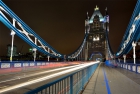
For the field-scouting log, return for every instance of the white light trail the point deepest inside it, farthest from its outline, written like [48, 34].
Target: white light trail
[39, 73]
[46, 77]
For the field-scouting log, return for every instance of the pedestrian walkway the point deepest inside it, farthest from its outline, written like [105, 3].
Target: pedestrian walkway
[107, 80]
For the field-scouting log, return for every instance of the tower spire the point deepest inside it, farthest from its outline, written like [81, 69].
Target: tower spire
[97, 8]
[87, 16]
[106, 9]
[106, 13]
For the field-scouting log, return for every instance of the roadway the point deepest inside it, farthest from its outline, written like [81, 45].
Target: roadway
[21, 82]
[105, 80]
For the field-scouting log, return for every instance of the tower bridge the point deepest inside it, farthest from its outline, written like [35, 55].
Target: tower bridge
[88, 76]
[96, 40]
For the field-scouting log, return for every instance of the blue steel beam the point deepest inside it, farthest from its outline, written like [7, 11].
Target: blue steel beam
[134, 15]
[11, 27]
[30, 31]
[79, 46]
[134, 37]
[27, 28]
[77, 52]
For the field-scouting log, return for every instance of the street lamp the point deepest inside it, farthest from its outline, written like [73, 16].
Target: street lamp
[124, 56]
[96, 38]
[134, 56]
[12, 33]
[34, 54]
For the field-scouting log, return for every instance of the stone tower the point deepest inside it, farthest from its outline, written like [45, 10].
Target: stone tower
[96, 40]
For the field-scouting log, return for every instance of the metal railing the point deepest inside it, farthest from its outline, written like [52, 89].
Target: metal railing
[129, 65]
[71, 84]
[23, 64]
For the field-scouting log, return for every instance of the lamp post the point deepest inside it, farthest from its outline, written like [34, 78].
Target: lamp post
[48, 55]
[34, 50]
[12, 33]
[134, 55]
[124, 56]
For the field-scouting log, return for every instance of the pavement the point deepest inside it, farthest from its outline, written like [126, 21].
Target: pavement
[108, 80]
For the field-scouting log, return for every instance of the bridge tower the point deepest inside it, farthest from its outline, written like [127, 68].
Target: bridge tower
[96, 40]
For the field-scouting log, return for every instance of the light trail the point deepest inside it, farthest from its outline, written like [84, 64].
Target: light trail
[45, 77]
[39, 73]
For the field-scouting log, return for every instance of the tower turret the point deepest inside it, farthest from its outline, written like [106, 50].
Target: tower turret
[96, 40]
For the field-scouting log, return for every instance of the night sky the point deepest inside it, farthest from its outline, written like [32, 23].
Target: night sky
[61, 23]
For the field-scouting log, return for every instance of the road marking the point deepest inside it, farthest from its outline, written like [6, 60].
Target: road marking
[106, 81]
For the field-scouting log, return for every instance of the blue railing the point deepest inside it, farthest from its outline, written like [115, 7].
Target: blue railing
[129, 65]
[20, 64]
[70, 84]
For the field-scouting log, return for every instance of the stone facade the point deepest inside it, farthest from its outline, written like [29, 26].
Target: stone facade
[96, 40]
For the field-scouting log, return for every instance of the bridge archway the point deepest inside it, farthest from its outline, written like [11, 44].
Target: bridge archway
[96, 56]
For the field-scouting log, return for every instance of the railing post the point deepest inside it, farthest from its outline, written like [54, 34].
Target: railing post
[136, 68]
[131, 68]
[88, 74]
[71, 84]
[82, 79]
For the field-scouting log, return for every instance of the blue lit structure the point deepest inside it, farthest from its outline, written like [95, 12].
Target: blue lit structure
[131, 35]
[132, 32]
[26, 33]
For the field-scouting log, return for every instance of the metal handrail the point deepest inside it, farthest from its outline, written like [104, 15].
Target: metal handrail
[70, 84]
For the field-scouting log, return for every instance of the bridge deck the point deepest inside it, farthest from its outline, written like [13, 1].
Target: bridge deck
[107, 80]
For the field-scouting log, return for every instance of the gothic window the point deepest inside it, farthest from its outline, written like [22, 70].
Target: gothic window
[96, 37]
[102, 36]
[90, 37]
